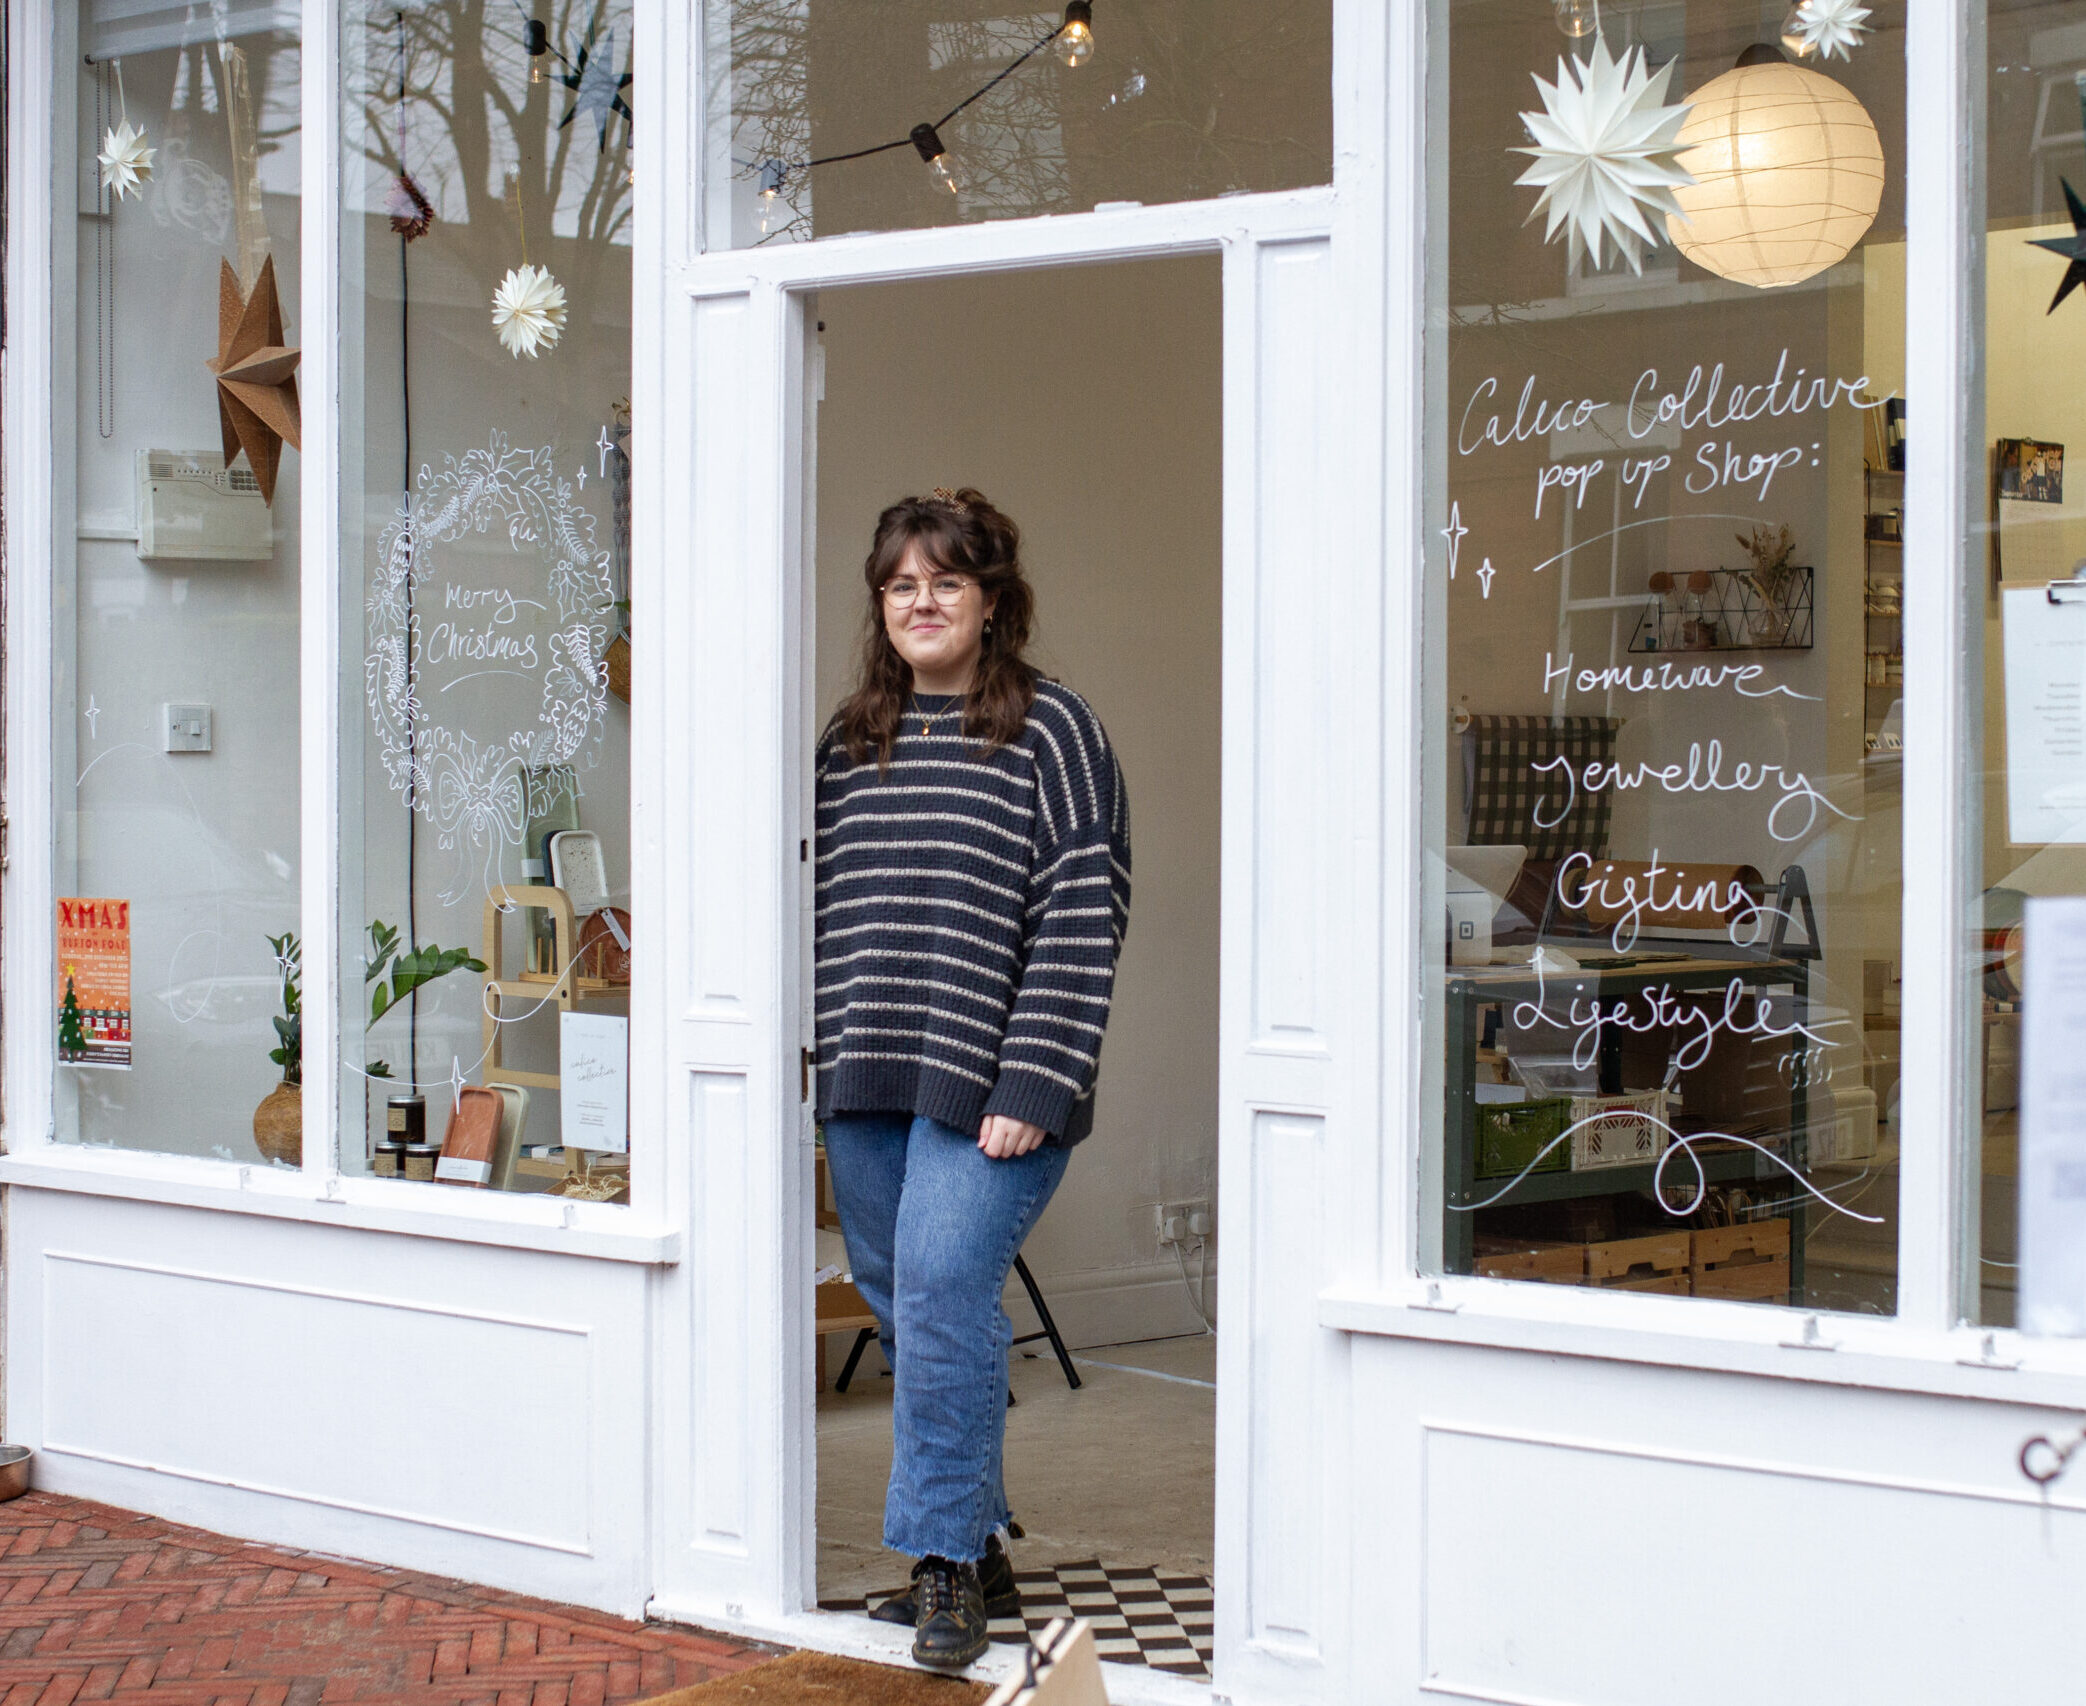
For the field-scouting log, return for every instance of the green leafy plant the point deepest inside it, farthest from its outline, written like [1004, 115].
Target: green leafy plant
[408, 970]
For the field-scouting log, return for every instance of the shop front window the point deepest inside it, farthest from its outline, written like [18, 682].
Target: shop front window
[1665, 523]
[486, 317]
[175, 575]
[827, 118]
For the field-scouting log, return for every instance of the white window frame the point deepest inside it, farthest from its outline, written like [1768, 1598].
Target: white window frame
[40, 179]
[1930, 1344]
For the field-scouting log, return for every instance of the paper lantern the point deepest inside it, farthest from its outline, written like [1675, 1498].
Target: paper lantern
[1788, 173]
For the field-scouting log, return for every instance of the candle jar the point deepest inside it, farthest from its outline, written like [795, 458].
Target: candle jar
[421, 1159]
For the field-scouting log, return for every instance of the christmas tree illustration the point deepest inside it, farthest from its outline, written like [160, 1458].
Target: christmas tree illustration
[72, 1037]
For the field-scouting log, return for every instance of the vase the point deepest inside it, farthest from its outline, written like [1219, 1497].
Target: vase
[279, 1125]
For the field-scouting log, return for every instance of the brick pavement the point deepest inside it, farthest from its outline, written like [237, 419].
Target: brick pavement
[100, 1604]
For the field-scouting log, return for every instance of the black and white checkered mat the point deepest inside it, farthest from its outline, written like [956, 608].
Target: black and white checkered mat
[1140, 1615]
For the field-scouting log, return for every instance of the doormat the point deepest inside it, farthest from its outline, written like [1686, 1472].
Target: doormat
[1141, 1616]
[819, 1679]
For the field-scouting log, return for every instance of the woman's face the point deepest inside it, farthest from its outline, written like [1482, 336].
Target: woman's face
[936, 619]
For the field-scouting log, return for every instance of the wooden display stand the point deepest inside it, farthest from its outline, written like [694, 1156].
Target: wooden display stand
[534, 987]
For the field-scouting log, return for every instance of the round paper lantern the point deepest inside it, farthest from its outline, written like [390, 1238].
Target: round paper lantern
[1788, 173]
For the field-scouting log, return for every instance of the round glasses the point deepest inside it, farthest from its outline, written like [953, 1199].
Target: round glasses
[902, 592]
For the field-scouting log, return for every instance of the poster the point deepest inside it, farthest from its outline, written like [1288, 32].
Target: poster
[594, 1074]
[2053, 1118]
[94, 982]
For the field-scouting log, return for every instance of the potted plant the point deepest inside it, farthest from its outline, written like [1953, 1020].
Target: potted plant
[279, 1120]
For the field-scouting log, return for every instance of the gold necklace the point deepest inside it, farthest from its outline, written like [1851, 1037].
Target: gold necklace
[927, 721]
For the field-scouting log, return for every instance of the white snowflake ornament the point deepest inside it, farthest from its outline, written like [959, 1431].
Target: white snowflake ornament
[125, 160]
[529, 311]
[1828, 28]
[1605, 153]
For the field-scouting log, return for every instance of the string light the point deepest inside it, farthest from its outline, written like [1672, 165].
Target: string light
[539, 46]
[1577, 17]
[1075, 36]
[928, 141]
[1074, 41]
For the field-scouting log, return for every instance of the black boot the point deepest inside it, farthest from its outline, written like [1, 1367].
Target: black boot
[995, 1581]
[951, 1632]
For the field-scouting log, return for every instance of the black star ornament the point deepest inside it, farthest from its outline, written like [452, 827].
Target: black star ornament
[2072, 248]
[596, 88]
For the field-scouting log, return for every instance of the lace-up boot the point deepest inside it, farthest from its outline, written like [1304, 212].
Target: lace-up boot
[995, 1581]
[951, 1631]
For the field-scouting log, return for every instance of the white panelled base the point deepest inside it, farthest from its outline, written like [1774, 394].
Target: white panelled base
[467, 1411]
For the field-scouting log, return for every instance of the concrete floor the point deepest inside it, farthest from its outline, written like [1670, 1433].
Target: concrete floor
[1123, 1470]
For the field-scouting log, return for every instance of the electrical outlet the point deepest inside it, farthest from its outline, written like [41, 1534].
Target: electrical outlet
[185, 728]
[1181, 1222]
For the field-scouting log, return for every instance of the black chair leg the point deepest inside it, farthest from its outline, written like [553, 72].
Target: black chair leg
[847, 1369]
[1050, 1332]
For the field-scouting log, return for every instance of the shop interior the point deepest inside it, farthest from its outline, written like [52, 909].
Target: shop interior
[1086, 403]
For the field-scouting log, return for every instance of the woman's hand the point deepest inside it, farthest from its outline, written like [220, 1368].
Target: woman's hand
[1003, 1138]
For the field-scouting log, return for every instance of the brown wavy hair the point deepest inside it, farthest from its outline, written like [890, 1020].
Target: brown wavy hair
[960, 533]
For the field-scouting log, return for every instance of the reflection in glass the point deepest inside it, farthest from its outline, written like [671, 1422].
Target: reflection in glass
[175, 576]
[1664, 912]
[811, 104]
[486, 305]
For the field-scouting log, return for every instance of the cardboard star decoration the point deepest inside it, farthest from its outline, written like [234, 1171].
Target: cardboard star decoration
[256, 375]
[2072, 248]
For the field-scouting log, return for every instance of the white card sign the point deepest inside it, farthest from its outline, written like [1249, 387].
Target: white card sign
[594, 1078]
[2053, 1118]
[2045, 718]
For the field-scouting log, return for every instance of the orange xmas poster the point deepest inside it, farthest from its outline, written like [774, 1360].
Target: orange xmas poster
[94, 982]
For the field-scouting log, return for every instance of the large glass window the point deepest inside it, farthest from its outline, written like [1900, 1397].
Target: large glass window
[1665, 523]
[827, 116]
[486, 311]
[174, 564]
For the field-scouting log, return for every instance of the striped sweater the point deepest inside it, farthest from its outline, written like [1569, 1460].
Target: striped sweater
[969, 916]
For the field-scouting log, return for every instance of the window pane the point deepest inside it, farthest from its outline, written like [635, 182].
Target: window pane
[175, 650]
[1664, 548]
[486, 301]
[1176, 101]
[2034, 837]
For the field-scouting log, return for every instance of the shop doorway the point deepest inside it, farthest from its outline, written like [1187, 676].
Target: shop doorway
[1086, 402]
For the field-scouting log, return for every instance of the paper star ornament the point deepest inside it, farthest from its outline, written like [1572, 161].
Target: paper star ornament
[256, 375]
[2072, 248]
[125, 160]
[596, 88]
[1828, 28]
[529, 311]
[1605, 153]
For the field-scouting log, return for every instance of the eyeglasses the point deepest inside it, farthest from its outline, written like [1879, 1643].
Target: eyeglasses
[903, 591]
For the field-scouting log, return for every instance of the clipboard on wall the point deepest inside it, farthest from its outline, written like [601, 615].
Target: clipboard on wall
[2043, 635]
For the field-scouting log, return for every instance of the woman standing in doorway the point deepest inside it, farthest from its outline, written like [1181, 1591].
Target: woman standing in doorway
[973, 891]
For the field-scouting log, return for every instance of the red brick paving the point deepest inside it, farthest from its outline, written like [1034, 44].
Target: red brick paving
[104, 1605]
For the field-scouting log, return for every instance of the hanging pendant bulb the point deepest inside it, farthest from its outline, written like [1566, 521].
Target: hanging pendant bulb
[773, 173]
[538, 39]
[1796, 40]
[1075, 37]
[928, 141]
[1577, 17]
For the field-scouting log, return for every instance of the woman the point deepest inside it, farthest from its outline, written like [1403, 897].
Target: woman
[973, 891]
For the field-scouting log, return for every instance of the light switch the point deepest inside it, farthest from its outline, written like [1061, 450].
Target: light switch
[185, 728]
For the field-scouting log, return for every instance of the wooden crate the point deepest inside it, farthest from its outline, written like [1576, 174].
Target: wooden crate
[1551, 1264]
[1748, 1262]
[1657, 1262]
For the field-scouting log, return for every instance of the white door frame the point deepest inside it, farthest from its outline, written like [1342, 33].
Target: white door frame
[1302, 574]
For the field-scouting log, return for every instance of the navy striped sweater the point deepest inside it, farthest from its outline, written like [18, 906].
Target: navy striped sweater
[970, 911]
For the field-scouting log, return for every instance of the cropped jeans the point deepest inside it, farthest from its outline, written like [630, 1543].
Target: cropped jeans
[933, 1225]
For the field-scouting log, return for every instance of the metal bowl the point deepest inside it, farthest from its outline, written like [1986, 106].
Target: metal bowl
[14, 1471]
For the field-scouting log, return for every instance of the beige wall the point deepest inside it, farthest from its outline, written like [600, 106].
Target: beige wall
[1086, 403]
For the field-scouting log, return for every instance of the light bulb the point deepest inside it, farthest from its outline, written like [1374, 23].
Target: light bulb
[928, 142]
[772, 174]
[1075, 37]
[1577, 17]
[537, 39]
[1793, 38]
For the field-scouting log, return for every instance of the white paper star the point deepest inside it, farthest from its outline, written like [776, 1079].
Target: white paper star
[1454, 533]
[125, 160]
[1605, 153]
[1485, 577]
[529, 311]
[1828, 28]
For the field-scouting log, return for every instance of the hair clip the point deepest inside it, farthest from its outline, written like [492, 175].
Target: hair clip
[949, 500]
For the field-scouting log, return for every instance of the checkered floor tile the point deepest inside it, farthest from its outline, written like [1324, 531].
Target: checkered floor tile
[1140, 1616]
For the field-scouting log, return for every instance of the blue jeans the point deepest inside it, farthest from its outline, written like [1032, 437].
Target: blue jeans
[933, 1225]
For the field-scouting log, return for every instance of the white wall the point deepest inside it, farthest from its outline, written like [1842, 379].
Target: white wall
[1086, 403]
